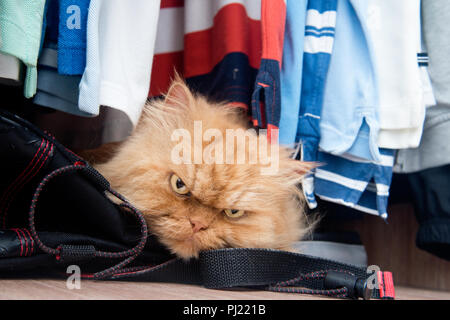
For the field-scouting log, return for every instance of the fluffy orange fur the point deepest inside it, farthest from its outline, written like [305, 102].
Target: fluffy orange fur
[141, 169]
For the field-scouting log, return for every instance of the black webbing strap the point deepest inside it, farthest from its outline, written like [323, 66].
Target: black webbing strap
[263, 269]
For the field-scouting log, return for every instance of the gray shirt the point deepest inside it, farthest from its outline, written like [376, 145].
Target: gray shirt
[434, 149]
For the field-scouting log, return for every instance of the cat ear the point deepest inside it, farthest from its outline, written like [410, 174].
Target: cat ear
[178, 94]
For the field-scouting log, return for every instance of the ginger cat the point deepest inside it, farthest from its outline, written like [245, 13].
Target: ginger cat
[193, 206]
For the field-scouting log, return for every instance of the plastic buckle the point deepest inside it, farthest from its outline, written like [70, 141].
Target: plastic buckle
[357, 287]
[386, 285]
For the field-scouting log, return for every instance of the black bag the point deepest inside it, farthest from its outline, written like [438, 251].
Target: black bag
[55, 212]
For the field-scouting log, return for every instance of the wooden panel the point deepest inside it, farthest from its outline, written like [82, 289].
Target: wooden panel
[392, 246]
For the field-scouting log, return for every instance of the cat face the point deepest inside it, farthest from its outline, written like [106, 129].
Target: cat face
[193, 206]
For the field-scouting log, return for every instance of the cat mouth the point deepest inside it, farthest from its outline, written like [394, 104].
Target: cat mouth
[194, 237]
[186, 248]
[190, 245]
[179, 237]
[194, 240]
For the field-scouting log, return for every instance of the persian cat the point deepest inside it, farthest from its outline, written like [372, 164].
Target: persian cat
[191, 206]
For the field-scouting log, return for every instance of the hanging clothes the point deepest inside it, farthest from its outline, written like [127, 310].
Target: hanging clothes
[370, 110]
[394, 36]
[318, 46]
[72, 36]
[54, 90]
[266, 96]
[169, 46]
[75, 128]
[20, 31]
[222, 53]
[349, 118]
[436, 33]
[64, 95]
[218, 55]
[354, 172]
[434, 150]
[430, 194]
[120, 43]
[358, 184]
[10, 70]
[291, 71]
[427, 167]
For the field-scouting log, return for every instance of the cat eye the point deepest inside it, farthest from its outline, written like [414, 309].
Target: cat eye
[233, 213]
[178, 185]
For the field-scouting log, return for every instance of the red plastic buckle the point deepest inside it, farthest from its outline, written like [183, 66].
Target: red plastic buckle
[386, 285]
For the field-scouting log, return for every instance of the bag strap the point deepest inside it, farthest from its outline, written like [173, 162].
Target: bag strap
[76, 253]
[271, 270]
[283, 271]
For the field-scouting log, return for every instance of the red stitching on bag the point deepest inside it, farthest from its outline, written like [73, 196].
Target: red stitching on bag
[73, 153]
[28, 177]
[45, 160]
[31, 240]
[17, 180]
[25, 239]
[34, 166]
[20, 240]
[19, 185]
[29, 164]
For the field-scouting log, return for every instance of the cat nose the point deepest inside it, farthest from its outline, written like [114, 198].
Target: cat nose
[197, 225]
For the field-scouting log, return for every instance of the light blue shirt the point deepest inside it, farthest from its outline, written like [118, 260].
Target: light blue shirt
[72, 36]
[291, 71]
[349, 121]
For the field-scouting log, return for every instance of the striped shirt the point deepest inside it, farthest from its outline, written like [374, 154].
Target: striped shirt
[355, 171]
[318, 46]
[227, 49]
[359, 184]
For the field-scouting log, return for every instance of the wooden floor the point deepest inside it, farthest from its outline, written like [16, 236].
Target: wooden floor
[106, 290]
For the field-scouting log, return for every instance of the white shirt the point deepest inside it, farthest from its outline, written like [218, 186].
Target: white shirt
[393, 32]
[120, 45]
